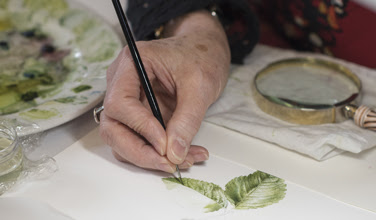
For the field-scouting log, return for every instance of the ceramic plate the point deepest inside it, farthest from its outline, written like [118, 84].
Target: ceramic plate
[53, 61]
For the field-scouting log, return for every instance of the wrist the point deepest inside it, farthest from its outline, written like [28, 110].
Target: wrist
[196, 21]
[201, 27]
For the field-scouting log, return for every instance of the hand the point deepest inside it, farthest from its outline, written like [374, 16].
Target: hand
[188, 71]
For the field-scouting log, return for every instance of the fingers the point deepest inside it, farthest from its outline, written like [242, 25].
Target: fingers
[120, 59]
[122, 103]
[199, 154]
[136, 135]
[192, 157]
[184, 124]
[196, 154]
[131, 148]
[143, 157]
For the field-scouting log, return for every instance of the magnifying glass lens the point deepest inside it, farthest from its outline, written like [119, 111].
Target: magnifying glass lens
[311, 91]
[306, 84]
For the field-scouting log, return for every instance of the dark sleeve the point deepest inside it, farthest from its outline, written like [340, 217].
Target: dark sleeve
[239, 21]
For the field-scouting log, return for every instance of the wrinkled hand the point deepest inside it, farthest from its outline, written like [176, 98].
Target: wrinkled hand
[188, 72]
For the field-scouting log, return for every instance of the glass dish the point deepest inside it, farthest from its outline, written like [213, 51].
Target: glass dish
[11, 155]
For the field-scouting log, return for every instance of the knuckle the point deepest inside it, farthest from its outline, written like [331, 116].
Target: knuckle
[206, 85]
[143, 45]
[142, 125]
[161, 160]
[140, 158]
[126, 52]
[210, 79]
[106, 135]
[189, 125]
[118, 157]
[111, 105]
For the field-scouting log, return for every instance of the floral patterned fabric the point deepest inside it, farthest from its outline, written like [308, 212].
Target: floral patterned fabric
[240, 22]
[340, 28]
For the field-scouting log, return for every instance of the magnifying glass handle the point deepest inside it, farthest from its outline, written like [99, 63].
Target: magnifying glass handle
[363, 116]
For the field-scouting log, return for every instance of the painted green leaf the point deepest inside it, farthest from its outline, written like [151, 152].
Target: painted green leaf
[210, 190]
[212, 207]
[255, 190]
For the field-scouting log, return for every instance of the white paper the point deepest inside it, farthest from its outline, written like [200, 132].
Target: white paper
[348, 177]
[30, 209]
[91, 184]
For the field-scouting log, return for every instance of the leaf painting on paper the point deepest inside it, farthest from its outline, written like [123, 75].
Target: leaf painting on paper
[256, 190]
[210, 190]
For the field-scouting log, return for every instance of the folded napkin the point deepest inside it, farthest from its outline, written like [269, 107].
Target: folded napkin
[237, 111]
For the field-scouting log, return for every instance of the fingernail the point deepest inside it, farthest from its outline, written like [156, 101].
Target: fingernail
[201, 157]
[166, 168]
[179, 149]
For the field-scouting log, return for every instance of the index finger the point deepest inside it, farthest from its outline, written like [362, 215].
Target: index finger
[123, 103]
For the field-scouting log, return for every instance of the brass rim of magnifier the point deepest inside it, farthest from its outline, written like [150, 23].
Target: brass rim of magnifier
[305, 114]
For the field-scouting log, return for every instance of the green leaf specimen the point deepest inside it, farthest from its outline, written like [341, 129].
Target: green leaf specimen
[245, 192]
[255, 190]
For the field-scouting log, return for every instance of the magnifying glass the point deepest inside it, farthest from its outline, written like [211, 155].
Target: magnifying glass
[311, 91]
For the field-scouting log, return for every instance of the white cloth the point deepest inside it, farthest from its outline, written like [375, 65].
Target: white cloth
[237, 111]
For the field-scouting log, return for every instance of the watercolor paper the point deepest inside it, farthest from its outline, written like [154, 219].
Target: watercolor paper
[91, 184]
[256, 190]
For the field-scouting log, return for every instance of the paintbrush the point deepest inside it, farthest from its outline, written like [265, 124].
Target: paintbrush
[140, 68]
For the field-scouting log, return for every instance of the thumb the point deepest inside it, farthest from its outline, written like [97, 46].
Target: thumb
[184, 125]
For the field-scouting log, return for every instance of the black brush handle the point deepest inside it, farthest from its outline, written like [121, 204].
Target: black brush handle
[138, 62]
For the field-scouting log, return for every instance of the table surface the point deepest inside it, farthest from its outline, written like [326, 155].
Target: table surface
[348, 178]
[91, 184]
